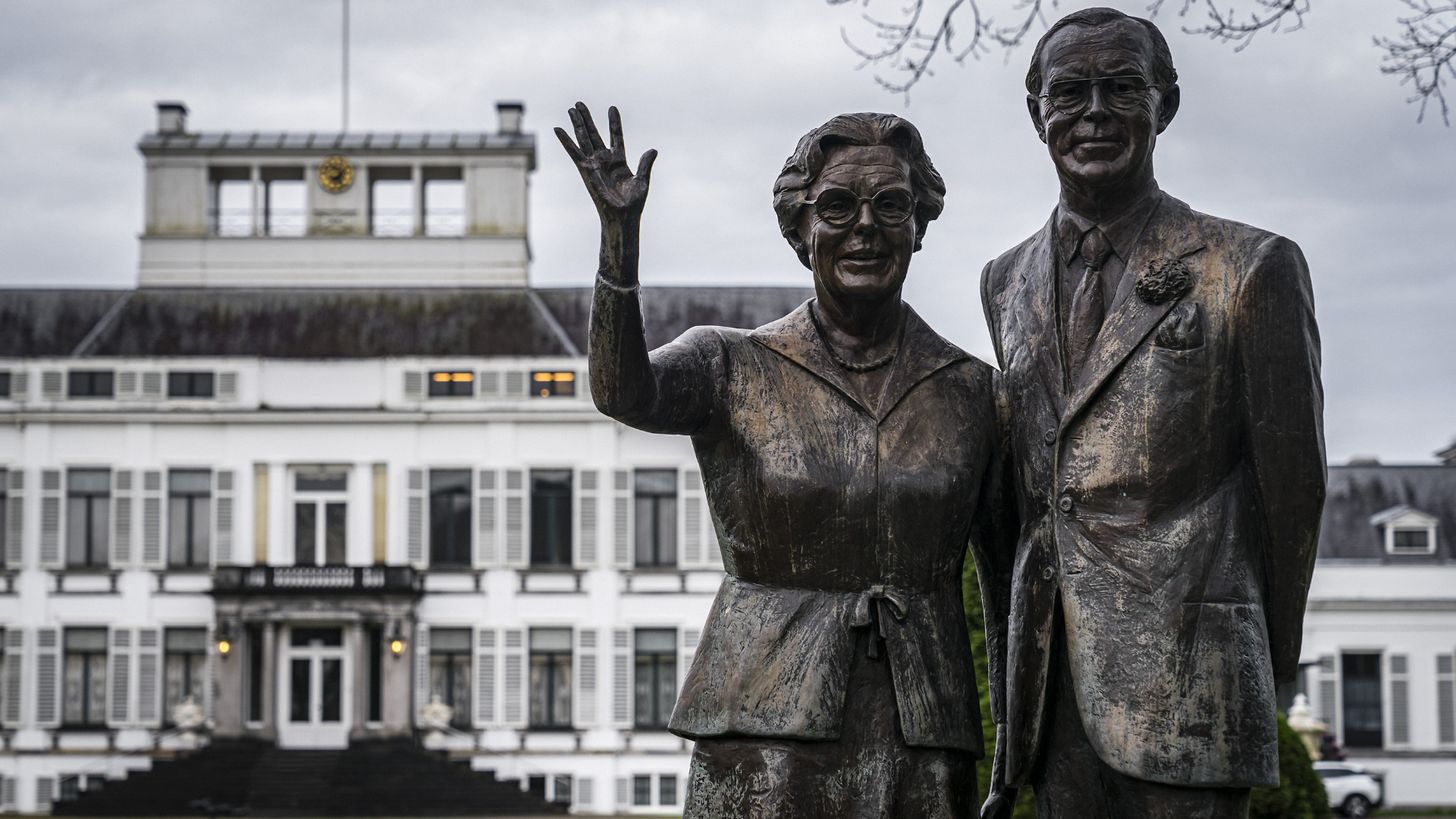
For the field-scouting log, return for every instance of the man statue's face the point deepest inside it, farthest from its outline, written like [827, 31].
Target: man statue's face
[1100, 133]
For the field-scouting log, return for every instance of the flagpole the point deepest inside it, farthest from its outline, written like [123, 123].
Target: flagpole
[346, 65]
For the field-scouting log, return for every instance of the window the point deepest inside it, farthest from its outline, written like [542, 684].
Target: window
[4, 383]
[391, 202]
[546, 384]
[444, 201]
[450, 517]
[667, 789]
[255, 672]
[656, 517]
[550, 517]
[85, 677]
[1411, 541]
[641, 790]
[555, 789]
[283, 201]
[231, 194]
[189, 384]
[185, 655]
[4, 512]
[90, 384]
[1362, 716]
[451, 384]
[655, 688]
[375, 635]
[88, 513]
[189, 519]
[550, 678]
[450, 671]
[320, 517]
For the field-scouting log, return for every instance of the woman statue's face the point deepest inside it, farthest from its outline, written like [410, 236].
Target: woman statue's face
[860, 229]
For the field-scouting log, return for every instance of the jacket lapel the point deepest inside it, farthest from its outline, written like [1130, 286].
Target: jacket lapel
[1038, 305]
[1170, 233]
[922, 352]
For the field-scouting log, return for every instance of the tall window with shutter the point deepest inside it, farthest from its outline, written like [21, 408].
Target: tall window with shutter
[84, 678]
[1446, 699]
[450, 672]
[88, 518]
[1399, 699]
[14, 529]
[550, 517]
[189, 518]
[654, 677]
[184, 660]
[655, 510]
[1362, 712]
[550, 683]
[450, 518]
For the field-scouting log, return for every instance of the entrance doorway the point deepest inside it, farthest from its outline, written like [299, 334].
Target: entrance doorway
[315, 689]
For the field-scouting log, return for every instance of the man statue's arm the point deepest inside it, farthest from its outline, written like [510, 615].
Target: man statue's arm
[1278, 357]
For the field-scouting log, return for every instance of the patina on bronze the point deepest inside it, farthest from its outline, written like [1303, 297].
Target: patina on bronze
[848, 455]
[1169, 484]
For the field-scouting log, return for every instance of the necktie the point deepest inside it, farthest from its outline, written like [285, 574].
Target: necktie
[1084, 318]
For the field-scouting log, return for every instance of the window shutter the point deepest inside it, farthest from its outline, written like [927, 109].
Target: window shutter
[622, 678]
[1399, 699]
[490, 384]
[153, 556]
[690, 638]
[151, 385]
[14, 677]
[222, 511]
[485, 677]
[695, 552]
[514, 710]
[227, 385]
[119, 675]
[422, 673]
[487, 539]
[7, 794]
[1328, 706]
[586, 678]
[121, 518]
[622, 519]
[50, 519]
[15, 519]
[19, 385]
[45, 793]
[415, 538]
[47, 677]
[1446, 698]
[515, 498]
[414, 385]
[51, 386]
[515, 384]
[126, 384]
[149, 677]
[583, 797]
[586, 518]
[624, 792]
[209, 676]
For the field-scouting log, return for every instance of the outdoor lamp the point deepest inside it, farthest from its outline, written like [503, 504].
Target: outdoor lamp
[396, 643]
[224, 642]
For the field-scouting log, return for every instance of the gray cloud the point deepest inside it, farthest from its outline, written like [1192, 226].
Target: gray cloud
[1299, 134]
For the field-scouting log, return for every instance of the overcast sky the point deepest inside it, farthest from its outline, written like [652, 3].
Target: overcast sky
[1299, 134]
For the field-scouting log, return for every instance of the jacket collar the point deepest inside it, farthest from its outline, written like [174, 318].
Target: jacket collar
[922, 352]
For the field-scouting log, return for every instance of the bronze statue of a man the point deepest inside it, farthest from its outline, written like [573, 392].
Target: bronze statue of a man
[1162, 372]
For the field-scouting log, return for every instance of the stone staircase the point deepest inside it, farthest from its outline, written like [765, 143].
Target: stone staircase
[255, 778]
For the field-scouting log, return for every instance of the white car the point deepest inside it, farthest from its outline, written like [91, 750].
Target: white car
[1353, 791]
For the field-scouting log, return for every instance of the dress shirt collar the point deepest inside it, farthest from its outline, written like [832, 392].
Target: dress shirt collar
[1121, 232]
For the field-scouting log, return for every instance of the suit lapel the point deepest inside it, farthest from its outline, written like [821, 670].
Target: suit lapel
[1170, 233]
[1038, 306]
[922, 352]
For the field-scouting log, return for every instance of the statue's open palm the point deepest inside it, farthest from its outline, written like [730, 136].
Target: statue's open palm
[618, 193]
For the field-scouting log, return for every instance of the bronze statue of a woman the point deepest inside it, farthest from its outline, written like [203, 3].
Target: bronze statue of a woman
[849, 456]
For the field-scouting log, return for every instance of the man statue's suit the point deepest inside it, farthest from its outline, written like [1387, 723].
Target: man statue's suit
[1169, 476]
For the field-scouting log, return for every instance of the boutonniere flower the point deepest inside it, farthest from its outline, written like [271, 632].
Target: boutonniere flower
[1164, 280]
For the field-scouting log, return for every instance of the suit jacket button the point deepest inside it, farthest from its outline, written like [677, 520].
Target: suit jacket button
[1065, 504]
[1049, 437]
[1047, 573]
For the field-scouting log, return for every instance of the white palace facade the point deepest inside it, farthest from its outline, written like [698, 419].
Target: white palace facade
[334, 458]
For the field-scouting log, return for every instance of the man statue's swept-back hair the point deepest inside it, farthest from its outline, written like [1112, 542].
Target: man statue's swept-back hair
[807, 161]
[1164, 74]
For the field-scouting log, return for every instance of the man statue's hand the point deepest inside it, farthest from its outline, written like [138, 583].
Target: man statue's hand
[1002, 798]
[999, 804]
[618, 193]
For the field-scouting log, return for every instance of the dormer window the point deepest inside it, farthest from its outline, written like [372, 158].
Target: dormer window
[90, 384]
[451, 383]
[4, 383]
[546, 383]
[1407, 531]
[190, 384]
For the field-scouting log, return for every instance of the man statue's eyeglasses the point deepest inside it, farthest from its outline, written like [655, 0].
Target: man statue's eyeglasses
[840, 207]
[1123, 92]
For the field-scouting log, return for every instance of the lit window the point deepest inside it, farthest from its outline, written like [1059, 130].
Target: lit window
[451, 383]
[548, 383]
[186, 384]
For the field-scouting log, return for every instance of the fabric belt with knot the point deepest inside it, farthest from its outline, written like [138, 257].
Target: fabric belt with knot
[867, 612]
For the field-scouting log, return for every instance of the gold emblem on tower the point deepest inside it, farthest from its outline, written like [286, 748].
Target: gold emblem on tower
[336, 174]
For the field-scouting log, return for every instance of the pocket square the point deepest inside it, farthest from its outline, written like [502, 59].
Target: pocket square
[1182, 329]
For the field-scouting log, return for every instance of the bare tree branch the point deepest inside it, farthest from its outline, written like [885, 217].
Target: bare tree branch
[1424, 54]
[1229, 26]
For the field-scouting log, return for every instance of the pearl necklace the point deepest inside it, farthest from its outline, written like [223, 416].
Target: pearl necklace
[868, 366]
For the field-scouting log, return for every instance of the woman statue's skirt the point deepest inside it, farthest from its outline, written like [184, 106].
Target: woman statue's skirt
[868, 773]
